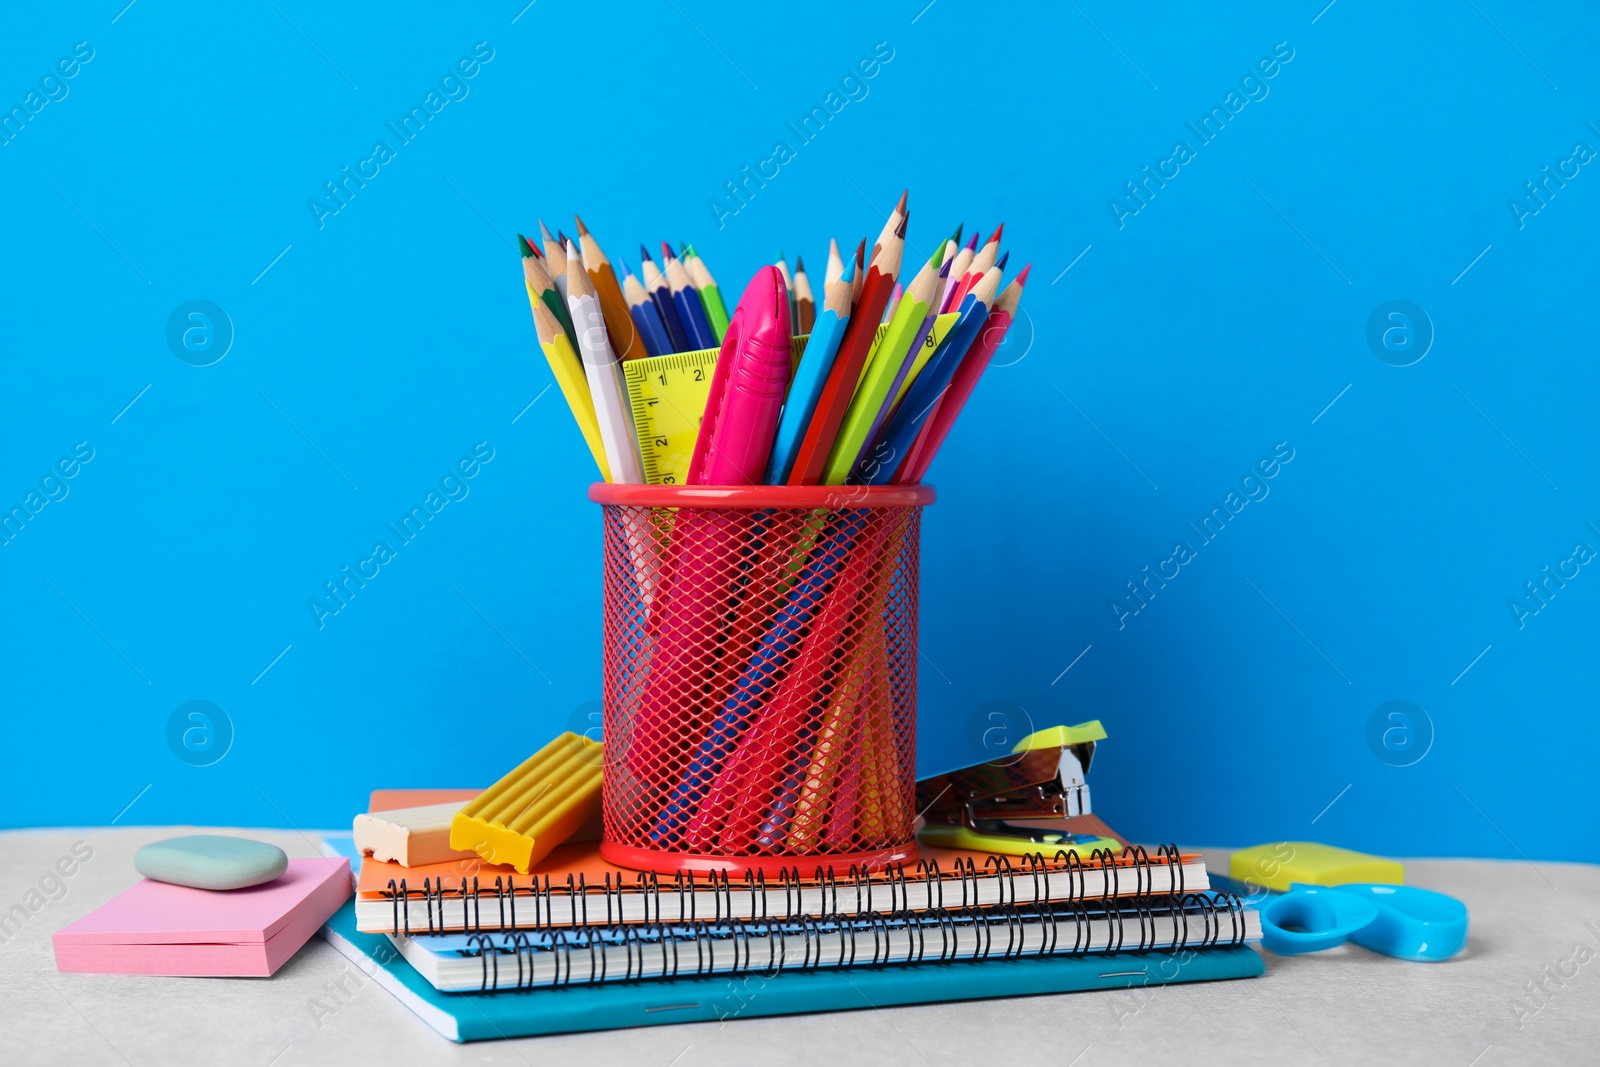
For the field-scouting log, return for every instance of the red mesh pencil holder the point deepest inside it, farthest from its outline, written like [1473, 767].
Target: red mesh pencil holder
[760, 676]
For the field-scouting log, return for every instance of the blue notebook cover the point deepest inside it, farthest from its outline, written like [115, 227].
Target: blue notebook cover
[474, 1017]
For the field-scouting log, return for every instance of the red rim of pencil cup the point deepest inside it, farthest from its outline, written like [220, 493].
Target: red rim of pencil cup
[760, 655]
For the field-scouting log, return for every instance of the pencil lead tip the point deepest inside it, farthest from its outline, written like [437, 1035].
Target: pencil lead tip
[624, 265]
[972, 242]
[1022, 278]
[644, 254]
[799, 264]
[1001, 262]
[525, 246]
[901, 206]
[944, 268]
[956, 237]
[666, 252]
[582, 229]
[996, 235]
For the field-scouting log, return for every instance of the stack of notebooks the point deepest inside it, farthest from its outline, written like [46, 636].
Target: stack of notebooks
[479, 951]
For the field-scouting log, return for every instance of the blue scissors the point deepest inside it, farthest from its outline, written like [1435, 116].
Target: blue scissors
[1395, 920]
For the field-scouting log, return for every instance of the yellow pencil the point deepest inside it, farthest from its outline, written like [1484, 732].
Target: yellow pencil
[570, 377]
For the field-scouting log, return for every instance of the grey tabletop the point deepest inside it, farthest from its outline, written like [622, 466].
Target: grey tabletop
[1527, 989]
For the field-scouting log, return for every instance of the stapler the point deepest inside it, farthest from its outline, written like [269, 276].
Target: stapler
[1017, 804]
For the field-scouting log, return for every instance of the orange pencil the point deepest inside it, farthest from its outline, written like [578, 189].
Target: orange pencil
[625, 339]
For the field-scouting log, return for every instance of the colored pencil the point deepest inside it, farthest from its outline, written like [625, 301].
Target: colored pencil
[539, 284]
[981, 262]
[896, 439]
[894, 301]
[805, 305]
[958, 270]
[710, 294]
[569, 375]
[880, 376]
[604, 374]
[555, 255]
[645, 316]
[815, 363]
[835, 268]
[661, 295]
[625, 340]
[788, 281]
[891, 224]
[859, 277]
[937, 426]
[687, 301]
[916, 356]
[834, 401]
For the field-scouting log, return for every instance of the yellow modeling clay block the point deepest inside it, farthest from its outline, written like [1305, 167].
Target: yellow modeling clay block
[536, 807]
[1277, 865]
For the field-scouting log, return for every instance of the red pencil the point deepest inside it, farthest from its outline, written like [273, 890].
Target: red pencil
[981, 262]
[812, 456]
[934, 431]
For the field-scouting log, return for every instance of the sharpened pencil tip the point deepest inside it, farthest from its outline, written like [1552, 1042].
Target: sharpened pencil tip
[624, 265]
[944, 268]
[998, 230]
[666, 252]
[1022, 279]
[526, 247]
[956, 237]
[901, 206]
[799, 264]
[561, 235]
[972, 243]
[1001, 262]
[644, 253]
[582, 229]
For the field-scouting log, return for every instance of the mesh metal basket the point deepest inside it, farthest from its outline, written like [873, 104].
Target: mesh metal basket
[760, 675]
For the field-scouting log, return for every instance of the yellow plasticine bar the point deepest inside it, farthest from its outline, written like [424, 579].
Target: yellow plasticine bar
[536, 807]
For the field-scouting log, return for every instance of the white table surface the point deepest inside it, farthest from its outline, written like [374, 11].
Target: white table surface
[1345, 1006]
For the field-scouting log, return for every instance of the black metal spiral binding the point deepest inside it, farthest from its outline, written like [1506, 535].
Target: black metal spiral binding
[533, 905]
[730, 946]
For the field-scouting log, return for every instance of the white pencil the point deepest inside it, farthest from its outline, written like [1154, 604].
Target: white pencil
[604, 375]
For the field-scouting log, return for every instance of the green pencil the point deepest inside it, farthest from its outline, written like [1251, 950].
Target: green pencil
[537, 277]
[710, 295]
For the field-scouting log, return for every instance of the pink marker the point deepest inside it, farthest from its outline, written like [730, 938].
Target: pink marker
[747, 388]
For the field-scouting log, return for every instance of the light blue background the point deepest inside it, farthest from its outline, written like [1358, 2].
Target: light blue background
[1224, 318]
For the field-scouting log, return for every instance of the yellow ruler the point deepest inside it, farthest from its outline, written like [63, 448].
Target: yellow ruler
[668, 394]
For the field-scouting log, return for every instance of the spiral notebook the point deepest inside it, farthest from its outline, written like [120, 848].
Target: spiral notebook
[456, 963]
[473, 1017]
[574, 886]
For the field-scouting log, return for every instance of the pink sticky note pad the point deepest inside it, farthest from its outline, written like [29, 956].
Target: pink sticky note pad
[163, 929]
